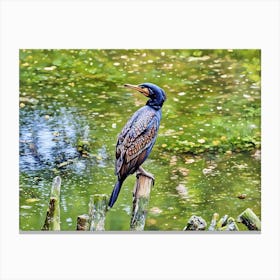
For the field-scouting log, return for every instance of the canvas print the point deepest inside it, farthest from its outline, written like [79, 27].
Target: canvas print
[140, 140]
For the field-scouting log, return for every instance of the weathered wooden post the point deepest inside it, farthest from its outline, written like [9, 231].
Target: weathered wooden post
[83, 222]
[214, 220]
[52, 221]
[141, 196]
[222, 222]
[195, 223]
[97, 211]
[230, 226]
[250, 219]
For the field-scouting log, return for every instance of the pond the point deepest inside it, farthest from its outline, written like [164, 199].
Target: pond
[72, 105]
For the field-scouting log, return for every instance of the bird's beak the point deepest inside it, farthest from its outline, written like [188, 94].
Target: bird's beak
[144, 91]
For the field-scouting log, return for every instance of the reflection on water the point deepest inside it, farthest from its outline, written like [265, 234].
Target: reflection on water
[45, 141]
[73, 105]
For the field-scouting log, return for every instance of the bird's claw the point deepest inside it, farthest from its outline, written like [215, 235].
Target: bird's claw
[142, 171]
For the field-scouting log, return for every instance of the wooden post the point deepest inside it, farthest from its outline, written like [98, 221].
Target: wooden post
[250, 219]
[214, 222]
[141, 196]
[222, 222]
[195, 223]
[97, 211]
[52, 221]
[83, 222]
[230, 226]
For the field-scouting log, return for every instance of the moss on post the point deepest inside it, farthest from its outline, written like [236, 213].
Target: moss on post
[97, 211]
[52, 221]
[141, 196]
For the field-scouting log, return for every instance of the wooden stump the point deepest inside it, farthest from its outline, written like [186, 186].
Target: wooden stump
[52, 221]
[97, 211]
[230, 225]
[83, 222]
[195, 223]
[250, 219]
[214, 220]
[222, 222]
[141, 196]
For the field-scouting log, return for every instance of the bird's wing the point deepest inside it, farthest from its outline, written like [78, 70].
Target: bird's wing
[135, 142]
[142, 142]
[137, 123]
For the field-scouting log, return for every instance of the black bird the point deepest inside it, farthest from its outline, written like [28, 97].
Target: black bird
[137, 138]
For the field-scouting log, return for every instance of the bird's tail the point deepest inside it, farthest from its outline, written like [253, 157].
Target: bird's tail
[115, 193]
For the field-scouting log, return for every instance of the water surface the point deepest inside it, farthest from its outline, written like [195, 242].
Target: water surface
[73, 105]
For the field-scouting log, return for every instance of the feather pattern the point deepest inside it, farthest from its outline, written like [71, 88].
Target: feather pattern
[136, 141]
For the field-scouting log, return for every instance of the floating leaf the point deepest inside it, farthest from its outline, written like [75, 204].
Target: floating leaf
[50, 68]
[201, 141]
[216, 142]
[30, 200]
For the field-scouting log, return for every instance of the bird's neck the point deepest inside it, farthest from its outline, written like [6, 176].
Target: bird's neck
[154, 104]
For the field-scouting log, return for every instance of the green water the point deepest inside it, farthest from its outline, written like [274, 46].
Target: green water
[73, 105]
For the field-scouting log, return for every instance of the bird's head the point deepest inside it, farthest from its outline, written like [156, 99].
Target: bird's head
[156, 95]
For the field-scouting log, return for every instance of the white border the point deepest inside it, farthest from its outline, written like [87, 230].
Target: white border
[145, 24]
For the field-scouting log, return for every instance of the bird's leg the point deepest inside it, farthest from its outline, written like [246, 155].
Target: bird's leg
[142, 171]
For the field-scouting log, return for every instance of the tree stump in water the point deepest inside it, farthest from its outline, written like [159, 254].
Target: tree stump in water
[141, 196]
[97, 211]
[195, 223]
[214, 220]
[222, 222]
[52, 221]
[83, 222]
[250, 219]
[230, 225]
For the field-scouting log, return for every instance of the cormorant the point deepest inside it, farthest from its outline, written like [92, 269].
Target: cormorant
[136, 140]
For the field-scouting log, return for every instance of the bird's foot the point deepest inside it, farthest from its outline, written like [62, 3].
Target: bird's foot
[142, 171]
